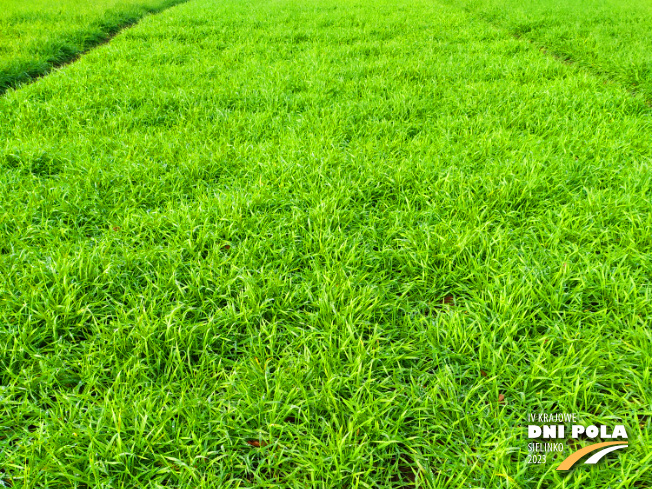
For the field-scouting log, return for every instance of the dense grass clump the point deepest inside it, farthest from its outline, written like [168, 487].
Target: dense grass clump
[320, 244]
[36, 35]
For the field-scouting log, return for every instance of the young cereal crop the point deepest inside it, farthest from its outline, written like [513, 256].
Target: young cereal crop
[321, 244]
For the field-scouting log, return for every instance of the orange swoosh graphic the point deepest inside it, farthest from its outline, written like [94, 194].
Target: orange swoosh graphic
[574, 457]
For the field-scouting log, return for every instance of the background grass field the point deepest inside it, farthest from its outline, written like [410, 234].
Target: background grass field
[38, 34]
[611, 38]
[328, 244]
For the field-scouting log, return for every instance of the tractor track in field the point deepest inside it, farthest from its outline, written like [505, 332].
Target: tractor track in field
[567, 60]
[106, 37]
[562, 58]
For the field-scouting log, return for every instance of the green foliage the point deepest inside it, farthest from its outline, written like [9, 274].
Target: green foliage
[310, 244]
[36, 35]
[610, 37]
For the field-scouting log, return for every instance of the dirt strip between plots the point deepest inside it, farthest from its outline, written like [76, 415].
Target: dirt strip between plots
[110, 32]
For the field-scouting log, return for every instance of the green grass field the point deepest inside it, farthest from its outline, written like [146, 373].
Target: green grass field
[36, 35]
[612, 38]
[264, 243]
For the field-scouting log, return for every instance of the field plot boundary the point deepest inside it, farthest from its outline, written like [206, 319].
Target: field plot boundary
[91, 40]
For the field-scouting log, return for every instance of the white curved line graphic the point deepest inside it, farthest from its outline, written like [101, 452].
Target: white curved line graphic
[595, 458]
